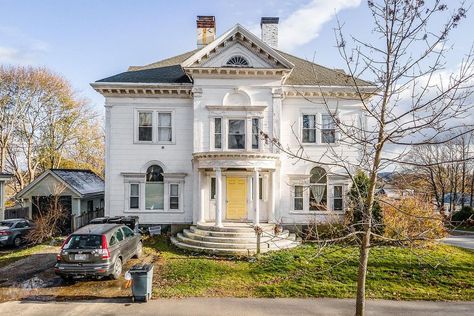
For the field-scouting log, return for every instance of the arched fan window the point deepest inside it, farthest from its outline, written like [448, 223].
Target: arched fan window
[237, 61]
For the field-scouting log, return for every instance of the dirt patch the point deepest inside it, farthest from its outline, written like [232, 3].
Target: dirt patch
[33, 278]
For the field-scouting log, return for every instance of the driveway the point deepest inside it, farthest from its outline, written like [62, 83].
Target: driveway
[236, 306]
[465, 240]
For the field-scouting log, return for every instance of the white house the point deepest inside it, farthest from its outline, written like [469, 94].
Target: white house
[182, 134]
[4, 177]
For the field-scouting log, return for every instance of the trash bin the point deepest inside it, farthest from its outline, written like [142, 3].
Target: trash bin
[142, 278]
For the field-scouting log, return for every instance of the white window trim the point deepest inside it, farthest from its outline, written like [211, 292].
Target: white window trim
[246, 128]
[179, 196]
[155, 126]
[319, 121]
[136, 126]
[335, 128]
[130, 196]
[343, 195]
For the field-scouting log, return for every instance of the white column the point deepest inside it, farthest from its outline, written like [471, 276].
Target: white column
[218, 197]
[256, 199]
[201, 218]
[271, 215]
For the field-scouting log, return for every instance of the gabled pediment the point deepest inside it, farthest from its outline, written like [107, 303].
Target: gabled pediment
[238, 42]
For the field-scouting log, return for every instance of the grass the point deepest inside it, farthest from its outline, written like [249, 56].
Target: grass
[439, 272]
[7, 257]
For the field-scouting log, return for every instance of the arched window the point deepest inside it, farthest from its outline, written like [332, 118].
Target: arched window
[237, 61]
[154, 188]
[318, 190]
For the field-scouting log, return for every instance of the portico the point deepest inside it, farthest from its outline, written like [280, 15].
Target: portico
[236, 187]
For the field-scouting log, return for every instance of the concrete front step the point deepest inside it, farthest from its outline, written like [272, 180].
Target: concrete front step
[226, 234]
[234, 227]
[238, 239]
[277, 242]
[235, 239]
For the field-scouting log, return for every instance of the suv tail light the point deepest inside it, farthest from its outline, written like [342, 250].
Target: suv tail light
[58, 256]
[105, 254]
[5, 232]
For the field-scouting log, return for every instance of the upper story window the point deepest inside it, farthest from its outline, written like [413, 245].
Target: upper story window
[145, 126]
[309, 128]
[236, 134]
[255, 132]
[318, 189]
[237, 61]
[154, 188]
[154, 127]
[328, 129]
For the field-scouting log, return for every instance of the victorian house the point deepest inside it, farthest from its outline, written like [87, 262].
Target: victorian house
[184, 143]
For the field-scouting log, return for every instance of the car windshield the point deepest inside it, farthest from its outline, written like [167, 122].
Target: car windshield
[84, 242]
[6, 224]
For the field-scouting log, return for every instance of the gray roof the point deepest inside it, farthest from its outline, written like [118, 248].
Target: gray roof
[85, 182]
[169, 71]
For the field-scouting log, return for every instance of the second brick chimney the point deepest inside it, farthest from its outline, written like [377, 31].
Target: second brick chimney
[206, 30]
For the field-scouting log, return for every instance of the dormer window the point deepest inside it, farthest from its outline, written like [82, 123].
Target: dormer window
[237, 61]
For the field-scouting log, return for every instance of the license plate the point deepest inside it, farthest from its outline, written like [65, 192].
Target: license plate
[80, 257]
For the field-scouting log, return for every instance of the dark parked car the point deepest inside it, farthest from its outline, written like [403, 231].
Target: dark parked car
[13, 231]
[98, 250]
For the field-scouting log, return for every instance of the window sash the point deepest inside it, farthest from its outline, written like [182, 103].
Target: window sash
[145, 126]
[313, 204]
[309, 128]
[337, 198]
[255, 133]
[236, 134]
[218, 132]
[298, 198]
[165, 127]
[213, 188]
[134, 196]
[328, 130]
[154, 196]
[174, 196]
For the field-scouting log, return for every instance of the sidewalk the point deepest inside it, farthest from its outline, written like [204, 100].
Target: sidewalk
[236, 306]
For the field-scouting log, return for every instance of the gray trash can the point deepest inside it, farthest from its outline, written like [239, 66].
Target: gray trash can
[142, 279]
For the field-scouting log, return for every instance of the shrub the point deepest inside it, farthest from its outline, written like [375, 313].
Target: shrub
[463, 215]
[412, 219]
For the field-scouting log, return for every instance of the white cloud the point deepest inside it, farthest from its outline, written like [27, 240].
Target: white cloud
[304, 24]
[18, 48]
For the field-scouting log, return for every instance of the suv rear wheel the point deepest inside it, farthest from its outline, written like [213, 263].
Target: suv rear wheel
[117, 271]
[17, 241]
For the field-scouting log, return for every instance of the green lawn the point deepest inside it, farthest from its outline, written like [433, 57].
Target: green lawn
[11, 255]
[437, 273]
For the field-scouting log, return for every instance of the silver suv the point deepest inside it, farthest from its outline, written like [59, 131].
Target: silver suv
[98, 250]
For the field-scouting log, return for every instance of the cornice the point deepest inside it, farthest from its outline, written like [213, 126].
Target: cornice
[142, 89]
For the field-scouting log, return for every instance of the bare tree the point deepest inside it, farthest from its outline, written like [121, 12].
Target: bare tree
[416, 102]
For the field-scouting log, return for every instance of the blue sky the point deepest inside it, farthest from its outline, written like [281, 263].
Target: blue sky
[86, 40]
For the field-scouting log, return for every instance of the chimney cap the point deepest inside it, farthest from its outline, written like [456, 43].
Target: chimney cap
[206, 21]
[269, 20]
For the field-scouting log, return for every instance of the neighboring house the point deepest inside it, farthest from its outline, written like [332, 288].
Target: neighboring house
[4, 177]
[80, 192]
[454, 202]
[394, 192]
[182, 134]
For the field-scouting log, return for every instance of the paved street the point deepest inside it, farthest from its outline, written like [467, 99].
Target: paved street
[464, 241]
[235, 306]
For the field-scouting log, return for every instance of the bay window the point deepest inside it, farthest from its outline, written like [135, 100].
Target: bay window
[255, 133]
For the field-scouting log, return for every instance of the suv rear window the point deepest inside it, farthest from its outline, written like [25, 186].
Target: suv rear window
[84, 242]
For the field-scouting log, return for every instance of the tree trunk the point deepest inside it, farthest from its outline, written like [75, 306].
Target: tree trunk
[362, 273]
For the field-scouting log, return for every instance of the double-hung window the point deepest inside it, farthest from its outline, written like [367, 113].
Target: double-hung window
[309, 128]
[134, 196]
[174, 196]
[328, 130]
[164, 127]
[213, 188]
[236, 134]
[337, 198]
[255, 132]
[298, 199]
[145, 126]
[217, 132]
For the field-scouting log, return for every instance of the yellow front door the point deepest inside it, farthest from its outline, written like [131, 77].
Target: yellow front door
[236, 198]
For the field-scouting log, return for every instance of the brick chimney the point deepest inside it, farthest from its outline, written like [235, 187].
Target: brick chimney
[206, 30]
[269, 27]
